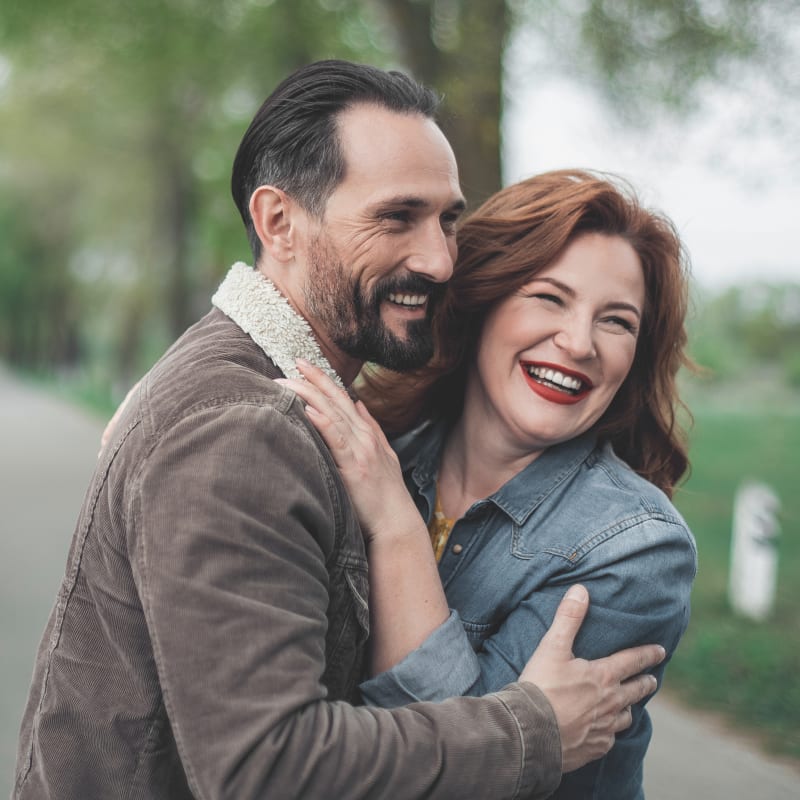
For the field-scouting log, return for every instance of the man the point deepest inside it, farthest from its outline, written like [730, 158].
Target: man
[213, 617]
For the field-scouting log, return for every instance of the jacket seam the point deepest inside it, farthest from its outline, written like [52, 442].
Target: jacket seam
[596, 539]
[65, 596]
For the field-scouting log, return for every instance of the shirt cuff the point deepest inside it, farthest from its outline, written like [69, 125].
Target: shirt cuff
[443, 666]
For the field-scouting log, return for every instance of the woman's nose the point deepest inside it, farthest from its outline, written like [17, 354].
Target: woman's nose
[577, 340]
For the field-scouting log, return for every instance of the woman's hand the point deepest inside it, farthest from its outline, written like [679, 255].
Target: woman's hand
[368, 465]
[111, 425]
[407, 602]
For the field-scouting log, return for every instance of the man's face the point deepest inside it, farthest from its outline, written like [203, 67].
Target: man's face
[379, 257]
[352, 315]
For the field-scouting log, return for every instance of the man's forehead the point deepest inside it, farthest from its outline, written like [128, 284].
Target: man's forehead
[371, 133]
[400, 157]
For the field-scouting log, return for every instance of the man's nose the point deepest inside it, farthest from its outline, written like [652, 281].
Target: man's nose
[434, 254]
[576, 338]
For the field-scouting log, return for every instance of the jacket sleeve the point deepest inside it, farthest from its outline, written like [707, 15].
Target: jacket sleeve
[231, 531]
[639, 583]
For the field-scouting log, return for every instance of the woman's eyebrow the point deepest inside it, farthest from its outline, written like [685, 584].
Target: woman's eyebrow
[570, 292]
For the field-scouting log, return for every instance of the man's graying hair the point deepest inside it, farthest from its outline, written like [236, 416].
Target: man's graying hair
[292, 142]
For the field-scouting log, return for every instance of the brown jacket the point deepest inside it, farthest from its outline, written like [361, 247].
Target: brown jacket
[207, 639]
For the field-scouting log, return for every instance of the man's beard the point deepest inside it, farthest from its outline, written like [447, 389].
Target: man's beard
[352, 318]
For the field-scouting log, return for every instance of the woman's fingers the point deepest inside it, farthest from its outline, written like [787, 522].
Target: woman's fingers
[332, 426]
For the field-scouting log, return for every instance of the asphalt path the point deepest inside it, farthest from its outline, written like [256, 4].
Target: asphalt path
[48, 452]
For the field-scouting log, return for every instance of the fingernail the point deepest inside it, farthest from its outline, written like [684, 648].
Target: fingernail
[577, 592]
[301, 362]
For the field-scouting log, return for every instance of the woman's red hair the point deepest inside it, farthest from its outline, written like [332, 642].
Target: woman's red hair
[515, 234]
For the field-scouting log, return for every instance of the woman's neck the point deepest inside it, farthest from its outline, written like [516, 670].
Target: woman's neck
[478, 457]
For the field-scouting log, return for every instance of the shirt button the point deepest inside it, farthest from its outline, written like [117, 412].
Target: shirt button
[457, 548]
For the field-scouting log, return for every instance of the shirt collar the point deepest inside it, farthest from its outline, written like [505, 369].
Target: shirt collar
[521, 495]
[254, 303]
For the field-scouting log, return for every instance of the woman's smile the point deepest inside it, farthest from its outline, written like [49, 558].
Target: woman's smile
[556, 383]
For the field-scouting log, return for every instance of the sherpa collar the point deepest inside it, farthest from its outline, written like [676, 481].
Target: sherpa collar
[254, 303]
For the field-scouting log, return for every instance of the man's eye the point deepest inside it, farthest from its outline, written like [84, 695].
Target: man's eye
[449, 223]
[397, 216]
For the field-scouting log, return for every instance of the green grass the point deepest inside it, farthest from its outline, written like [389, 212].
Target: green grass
[748, 671]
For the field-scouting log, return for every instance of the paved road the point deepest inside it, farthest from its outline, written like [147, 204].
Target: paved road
[48, 452]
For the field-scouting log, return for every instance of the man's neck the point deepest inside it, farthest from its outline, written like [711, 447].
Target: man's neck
[346, 367]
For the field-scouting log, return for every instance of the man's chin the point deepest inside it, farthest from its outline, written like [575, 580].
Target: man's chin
[403, 356]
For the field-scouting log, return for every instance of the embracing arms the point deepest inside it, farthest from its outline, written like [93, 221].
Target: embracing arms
[407, 599]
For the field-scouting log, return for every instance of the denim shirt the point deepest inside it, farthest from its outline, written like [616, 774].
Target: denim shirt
[576, 514]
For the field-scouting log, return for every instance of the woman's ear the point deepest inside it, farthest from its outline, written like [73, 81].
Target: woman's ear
[271, 210]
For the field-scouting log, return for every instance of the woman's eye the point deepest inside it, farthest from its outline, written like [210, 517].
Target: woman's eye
[621, 323]
[550, 298]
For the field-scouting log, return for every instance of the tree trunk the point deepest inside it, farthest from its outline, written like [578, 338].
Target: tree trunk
[457, 48]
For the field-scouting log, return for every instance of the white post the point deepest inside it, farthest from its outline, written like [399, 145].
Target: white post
[754, 552]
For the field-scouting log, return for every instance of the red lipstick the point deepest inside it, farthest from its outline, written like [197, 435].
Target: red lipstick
[549, 392]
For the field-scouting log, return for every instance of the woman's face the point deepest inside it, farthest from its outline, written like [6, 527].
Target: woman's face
[552, 356]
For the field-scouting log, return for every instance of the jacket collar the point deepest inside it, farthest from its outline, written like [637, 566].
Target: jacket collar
[518, 497]
[254, 303]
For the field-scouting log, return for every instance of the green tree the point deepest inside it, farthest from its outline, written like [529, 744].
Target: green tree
[643, 55]
[131, 112]
[118, 121]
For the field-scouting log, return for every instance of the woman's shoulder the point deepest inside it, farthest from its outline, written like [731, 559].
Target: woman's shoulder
[607, 472]
[605, 503]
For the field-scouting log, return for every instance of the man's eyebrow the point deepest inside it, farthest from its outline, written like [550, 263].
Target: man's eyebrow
[416, 202]
[570, 292]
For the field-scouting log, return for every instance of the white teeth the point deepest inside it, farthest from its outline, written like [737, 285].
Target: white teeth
[411, 300]
[556, 377]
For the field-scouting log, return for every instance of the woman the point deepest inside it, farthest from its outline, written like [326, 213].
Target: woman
[549, 453]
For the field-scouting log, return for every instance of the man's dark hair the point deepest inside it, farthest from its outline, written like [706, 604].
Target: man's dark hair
[292, 142]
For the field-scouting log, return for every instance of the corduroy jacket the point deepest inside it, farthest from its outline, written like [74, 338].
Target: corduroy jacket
[207, 639]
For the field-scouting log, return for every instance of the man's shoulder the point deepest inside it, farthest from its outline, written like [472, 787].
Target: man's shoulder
[213, 364]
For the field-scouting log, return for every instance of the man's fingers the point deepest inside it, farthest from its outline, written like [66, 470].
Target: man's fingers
[627, 663]
[569, 616]
[635, 689]
[623, 720]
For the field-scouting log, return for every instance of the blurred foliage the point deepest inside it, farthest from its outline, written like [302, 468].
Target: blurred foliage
[746, 339]
[119, 121]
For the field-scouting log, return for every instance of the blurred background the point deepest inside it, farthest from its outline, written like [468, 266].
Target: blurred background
[118, 126]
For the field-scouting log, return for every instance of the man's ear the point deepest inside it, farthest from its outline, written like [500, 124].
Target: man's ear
[272, 213]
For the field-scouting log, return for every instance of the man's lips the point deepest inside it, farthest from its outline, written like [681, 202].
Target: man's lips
[555, 383]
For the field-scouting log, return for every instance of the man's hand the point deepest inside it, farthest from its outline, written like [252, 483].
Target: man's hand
[592, 699]
[108, 431]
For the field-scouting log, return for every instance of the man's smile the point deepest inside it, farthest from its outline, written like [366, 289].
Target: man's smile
[408, 300]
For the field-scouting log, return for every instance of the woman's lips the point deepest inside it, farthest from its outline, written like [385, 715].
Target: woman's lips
[555, 383]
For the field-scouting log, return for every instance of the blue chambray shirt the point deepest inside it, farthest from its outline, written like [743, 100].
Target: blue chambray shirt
[576, 514]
